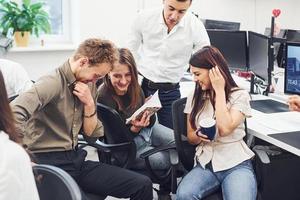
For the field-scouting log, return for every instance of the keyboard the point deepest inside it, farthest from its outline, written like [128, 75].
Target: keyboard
[291, 138]
[269, 106]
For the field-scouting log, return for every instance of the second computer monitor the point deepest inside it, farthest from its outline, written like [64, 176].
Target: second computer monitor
[292, 69]
[221, 25]
[259, 55]
[293, 35]
[233, 45]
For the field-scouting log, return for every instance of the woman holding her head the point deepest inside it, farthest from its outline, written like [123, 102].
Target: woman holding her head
[224, 161]
[16, 177]
[122, 92]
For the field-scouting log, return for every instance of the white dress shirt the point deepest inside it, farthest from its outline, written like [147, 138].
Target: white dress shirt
[15, 77]
[163, 56]
[16, 176]
[228, 151]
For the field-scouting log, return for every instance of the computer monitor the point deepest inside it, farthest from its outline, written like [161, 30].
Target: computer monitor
[292, 69]
[279, 41]
[233, 45]
[221, 25]
[293, 35]
[281, 34]
[259, 50]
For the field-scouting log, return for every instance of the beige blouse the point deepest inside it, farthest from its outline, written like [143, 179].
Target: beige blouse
[228, 151]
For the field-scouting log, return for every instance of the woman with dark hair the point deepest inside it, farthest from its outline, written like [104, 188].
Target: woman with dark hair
[122, 92]
[223, 161]
[16, 177]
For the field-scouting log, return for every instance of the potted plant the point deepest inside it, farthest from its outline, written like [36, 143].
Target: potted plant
[28, 18]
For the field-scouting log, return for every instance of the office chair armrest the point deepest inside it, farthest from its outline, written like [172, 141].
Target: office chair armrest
[174, 158]
[262, 156]
[107, 148]
[157, 149]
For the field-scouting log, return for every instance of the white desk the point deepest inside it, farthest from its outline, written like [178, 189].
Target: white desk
[263, 125]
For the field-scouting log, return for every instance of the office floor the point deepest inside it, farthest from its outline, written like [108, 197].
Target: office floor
[92, 155]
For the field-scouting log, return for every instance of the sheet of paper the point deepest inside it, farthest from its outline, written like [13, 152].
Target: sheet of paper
[152, 106]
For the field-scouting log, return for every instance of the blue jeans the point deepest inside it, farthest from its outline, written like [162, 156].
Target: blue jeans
[166, 97]
[237, 183]
[149, 138]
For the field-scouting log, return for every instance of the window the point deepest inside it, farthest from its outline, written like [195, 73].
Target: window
[59, 13]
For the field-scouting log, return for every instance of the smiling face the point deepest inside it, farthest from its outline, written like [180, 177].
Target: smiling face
[201, 77]
[120, 78]
[174, 11]
[91, 73]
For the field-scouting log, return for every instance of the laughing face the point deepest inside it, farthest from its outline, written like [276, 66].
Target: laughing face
[201, 76]
[91, 73]
[120, 78]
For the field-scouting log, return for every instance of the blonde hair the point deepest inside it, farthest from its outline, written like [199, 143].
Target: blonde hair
[97, 51]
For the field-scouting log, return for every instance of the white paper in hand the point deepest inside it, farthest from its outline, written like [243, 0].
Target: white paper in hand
[152, 106]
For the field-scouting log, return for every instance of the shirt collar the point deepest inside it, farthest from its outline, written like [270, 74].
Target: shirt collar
[66, 69]
[162, 20]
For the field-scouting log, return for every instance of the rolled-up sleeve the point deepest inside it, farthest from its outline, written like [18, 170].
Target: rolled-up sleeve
[99, 130]
[240, 101]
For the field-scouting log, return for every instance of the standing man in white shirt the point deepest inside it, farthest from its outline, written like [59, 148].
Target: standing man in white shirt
[15, 77]
[162, 41]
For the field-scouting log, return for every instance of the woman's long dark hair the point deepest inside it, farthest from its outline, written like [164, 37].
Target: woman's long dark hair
[207, 58]
[7, 121]
[134, 90]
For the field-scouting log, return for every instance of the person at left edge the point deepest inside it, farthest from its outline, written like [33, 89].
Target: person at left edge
[59, 106]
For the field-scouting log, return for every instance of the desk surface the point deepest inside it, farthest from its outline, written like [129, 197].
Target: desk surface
[271, 127]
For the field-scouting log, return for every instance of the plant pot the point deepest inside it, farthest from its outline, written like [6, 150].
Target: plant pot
[22, 38]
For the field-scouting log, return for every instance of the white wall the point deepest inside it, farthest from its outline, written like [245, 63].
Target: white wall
[111, 19]
[37, 63]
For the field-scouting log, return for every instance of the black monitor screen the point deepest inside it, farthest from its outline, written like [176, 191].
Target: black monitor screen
[233, 46]
[258, 54]
[293, 35]
[221, 25]
[292, 70]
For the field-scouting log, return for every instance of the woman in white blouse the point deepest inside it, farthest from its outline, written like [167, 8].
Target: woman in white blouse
[16, 176]
[225, 161]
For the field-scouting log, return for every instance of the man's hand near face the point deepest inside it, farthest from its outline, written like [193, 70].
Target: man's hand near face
[82, 91]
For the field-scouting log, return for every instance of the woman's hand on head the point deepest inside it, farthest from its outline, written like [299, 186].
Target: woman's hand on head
[216, 78]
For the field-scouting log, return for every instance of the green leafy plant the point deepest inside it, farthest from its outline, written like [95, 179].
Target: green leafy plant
[26, 17]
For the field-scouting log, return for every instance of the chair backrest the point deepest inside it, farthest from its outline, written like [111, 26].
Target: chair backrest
[185, 150]
[54, 183]
[116, 132]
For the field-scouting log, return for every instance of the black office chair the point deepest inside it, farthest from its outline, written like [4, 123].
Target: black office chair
[116, 133]
[185, 150]
[54, 183]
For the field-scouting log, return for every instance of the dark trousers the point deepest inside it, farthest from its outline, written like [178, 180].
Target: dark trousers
[99, 178]
[167, 97]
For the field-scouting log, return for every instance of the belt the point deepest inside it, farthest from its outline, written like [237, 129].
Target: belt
[160, 86]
